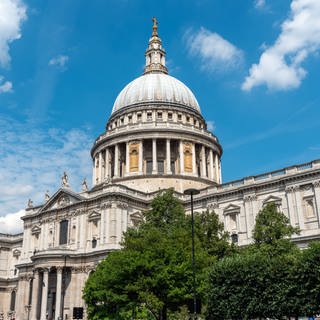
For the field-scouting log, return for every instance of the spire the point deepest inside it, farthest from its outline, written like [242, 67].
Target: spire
[155, 54]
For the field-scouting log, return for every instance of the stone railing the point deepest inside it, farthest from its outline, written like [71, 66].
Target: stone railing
[154, 125]
[271, 175]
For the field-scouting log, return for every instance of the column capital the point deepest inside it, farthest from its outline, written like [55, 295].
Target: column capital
[316, 184]
[59, 269]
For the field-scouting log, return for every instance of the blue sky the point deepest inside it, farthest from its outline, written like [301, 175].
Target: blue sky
[252, 64]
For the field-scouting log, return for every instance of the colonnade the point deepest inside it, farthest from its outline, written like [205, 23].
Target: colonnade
[43, 305]
[156, 156]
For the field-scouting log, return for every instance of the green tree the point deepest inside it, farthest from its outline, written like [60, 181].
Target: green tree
[152, 274]
[260, 281]
[272, 226]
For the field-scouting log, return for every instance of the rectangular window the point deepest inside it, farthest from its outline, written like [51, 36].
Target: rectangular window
[130, 119]
[188, 119]
[149, 166]
[170, 116]
[160, 166]
[160, 115]
[179, 117]
[63, 238]
[173, 167]
[139, 116]
[149, 116]
[122, 121]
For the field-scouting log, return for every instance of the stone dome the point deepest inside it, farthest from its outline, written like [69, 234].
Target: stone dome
[156, 87]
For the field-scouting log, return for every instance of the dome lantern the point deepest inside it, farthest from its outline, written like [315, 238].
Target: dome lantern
[155, 54]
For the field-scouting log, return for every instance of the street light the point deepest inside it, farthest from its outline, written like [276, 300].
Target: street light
[191, 193]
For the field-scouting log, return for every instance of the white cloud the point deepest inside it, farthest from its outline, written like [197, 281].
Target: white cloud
[211, 126]
[59, 61]
[280, 67]
[215, 52]
[12, 14]
[5, 86]
[33, 161]
[260, 4]
[12, 223]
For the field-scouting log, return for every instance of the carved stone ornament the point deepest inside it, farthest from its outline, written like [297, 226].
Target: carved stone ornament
[292, 188]
[84, 185]
[16, 253]
[122, 205]
[316, 184]
[64, 180]
[213, 205]
[107, 179]
[35, 230]
[250, 197]
[47, 196]
[105, 205]
[63, 201]
[30, 203]
[306, 187]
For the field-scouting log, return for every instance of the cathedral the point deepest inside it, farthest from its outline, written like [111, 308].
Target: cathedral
[156, 138]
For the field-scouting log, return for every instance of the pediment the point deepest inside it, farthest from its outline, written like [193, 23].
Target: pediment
[231, 208]
[60, 199]
[35, 230]
[271, 198]
[94, 216]
[136, 218]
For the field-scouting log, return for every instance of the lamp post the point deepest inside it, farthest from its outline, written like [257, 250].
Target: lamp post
[191, 193]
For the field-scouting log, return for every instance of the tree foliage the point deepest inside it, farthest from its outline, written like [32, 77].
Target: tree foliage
[272, 226]
[272, 278]
[152, 274]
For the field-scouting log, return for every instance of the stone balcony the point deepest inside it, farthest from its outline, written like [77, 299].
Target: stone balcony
[154, 125]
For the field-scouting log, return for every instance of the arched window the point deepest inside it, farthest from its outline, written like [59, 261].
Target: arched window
[63, 238]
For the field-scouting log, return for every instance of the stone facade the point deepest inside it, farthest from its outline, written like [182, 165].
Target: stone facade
[155, 139]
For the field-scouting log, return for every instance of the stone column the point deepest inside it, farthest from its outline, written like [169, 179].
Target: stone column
[154, 157]
[217, 171]
[94, 171]
[316, 186]
[73, 290]
[35, 294]
[44, 299]
[141, 157]
[211, 172]
[100, 166]
[203, 162]
[116, 161]
[127, 159]
[168, 154]
[58, 293]
[194, 166]
[181, 155]
[106, 164]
